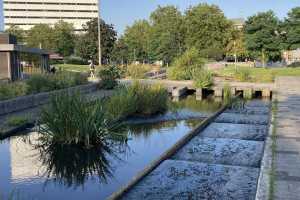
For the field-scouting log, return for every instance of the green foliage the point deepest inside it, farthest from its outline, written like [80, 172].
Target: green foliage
[242, 74]
[290, 29]
[205, 25]
[232, 102]
[150, 98]
[241, 51]
[108, 38]
[39, 84]
[261, 36]
[185, 65]
[41, 34]
[214, 51]
[135, 51]
[71, 119]
[202, 78]
[77, 61]
[137, 71]
[64, 38]
[12, 90]
[17, 120]
[108, 77]
[83, 47]
[17, 31]
[120, 52]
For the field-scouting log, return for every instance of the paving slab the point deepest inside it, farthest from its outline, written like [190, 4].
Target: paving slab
[234, 131]
[197, 181]
[221, 151]
[242, 119]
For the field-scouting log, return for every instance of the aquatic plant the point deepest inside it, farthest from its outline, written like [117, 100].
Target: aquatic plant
[242, 74]
[72, 119]
[231, 101]
[108, 77]
[202, 78]
[17, 120]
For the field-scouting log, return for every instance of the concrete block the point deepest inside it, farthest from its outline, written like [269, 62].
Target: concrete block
[248, 93]
[199, 92]
[218, 92]
[179, 92]
[170, 89]
[232, 91]
[266, 92]
[199, 98]
[218, 99]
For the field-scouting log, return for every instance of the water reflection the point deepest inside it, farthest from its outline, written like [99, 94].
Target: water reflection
[145, 130]
[70, 166]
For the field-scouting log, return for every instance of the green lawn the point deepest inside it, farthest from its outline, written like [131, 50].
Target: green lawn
[80, 68]
[263, 75]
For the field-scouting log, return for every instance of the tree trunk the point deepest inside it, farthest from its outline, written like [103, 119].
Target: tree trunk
[263, 59]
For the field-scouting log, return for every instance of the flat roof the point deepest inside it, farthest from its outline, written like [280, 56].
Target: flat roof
[23, 49]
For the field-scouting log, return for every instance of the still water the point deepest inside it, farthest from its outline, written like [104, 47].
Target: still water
[66, 172]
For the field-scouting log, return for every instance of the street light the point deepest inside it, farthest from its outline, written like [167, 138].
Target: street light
[234, 56]
[99, 35]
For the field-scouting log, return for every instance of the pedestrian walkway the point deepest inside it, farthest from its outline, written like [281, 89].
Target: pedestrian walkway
[287, 154]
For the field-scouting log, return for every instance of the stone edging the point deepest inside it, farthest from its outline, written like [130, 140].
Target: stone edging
[28, 101]
[127, 186]
[263, 183]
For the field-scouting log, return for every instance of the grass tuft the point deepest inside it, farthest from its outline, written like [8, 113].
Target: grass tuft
[17, 120]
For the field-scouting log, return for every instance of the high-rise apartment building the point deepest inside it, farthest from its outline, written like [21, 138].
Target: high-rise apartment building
[27, 13]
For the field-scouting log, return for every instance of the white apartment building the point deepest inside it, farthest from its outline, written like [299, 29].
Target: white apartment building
[27, 13]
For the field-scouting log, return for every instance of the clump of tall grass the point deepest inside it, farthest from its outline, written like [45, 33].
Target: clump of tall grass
[202, 78]
[72, 119]
[17, 120]
[138, 71]
[242, 74]
[231, 101]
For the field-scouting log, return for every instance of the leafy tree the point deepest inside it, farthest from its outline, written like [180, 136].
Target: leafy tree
[41, 34]
[205, 25]
[261, 36]
[139, 32]
[290, 29]
[18, 32]
[120, 51]
[166, 34]
[108, 37]
[215, 51]
[83, 47]
[135, 51]
[241, 51]
[64, 38]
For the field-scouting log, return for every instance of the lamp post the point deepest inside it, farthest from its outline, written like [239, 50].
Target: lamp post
[99, 35]
[234, 55]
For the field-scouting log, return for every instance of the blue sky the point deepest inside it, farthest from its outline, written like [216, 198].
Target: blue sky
[123, 13]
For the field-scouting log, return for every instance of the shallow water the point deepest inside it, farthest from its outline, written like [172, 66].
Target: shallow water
[65, 172]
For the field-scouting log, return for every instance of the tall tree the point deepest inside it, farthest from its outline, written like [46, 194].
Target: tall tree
[108, 37]
[240, 49]
[205, 25]
[139, 32]
[41, 35]
[18, 32]
[261, 36]
[64, 38]
[120, 51]
[166, 34]
[83, 47]
[290, 29]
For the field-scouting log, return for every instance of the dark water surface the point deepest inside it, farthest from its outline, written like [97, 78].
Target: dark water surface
[66, 172]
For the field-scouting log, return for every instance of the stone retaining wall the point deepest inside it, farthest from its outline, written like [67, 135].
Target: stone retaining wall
[20, 103]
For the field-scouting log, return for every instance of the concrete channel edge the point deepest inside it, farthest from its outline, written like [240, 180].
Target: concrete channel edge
[127, 186]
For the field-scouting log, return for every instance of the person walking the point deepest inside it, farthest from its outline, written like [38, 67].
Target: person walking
[92, 68]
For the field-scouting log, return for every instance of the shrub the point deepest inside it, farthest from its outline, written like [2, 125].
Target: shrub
[71, 119]
[12, 90]
[150, 98]
[185, 65]
[77, 61]
[202, 78]
[108, 77]
[138, 71]
[65, 79]
[242, 74]
[39, 83]
[17, 120]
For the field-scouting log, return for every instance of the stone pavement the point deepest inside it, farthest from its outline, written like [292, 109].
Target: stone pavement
[287, 154]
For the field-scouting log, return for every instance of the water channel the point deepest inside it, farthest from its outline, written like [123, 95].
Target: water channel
[66, 172]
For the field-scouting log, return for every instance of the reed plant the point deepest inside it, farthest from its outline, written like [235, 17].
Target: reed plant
[242, 74]
[72, 119]
[231, 101]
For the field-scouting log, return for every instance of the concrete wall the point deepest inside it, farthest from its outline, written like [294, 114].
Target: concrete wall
[3, 64]
[16, 104]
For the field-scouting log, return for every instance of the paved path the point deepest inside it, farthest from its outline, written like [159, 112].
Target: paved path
[287, 155]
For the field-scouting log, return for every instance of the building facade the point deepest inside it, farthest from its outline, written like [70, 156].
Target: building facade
[27, 13]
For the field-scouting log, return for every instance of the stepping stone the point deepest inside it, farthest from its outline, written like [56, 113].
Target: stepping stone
[221, 151]
[234, 131]
[192, 180]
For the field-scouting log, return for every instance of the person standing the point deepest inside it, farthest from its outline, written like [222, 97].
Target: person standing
[92, 68]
